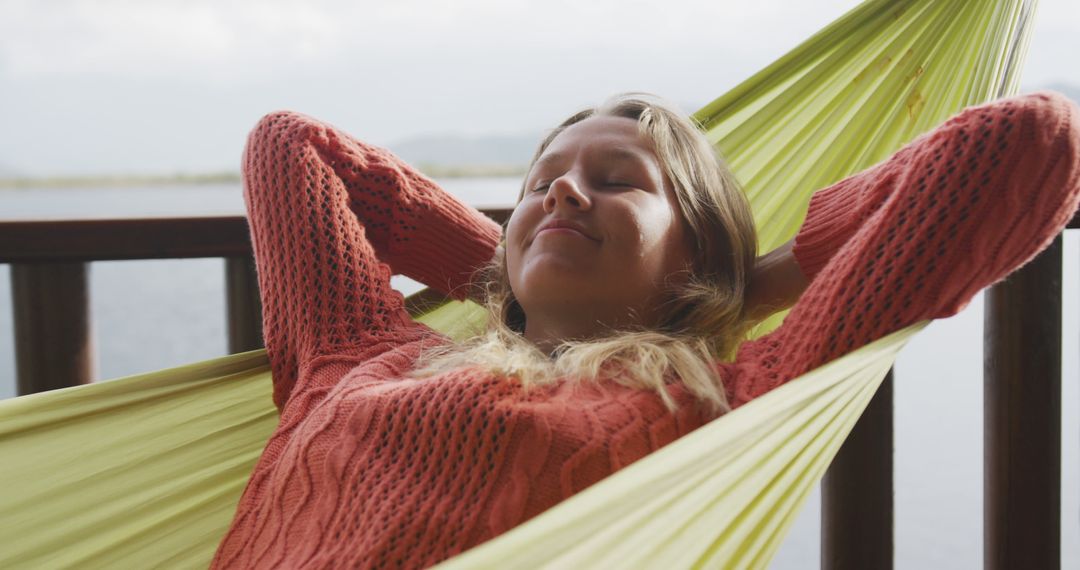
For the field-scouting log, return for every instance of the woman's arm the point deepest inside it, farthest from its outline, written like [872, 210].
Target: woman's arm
[419, 229]
[327, 214]
[917, 236]
[776, 282]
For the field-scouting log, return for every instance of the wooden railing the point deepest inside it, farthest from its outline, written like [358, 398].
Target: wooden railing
[1022, 439]
[1022, 372]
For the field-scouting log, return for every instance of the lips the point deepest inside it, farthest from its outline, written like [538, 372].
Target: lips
[567, 224]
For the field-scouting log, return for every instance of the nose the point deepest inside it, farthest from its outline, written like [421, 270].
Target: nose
[564, 192]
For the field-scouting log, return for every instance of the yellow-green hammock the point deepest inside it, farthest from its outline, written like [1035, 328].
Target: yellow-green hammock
[145, 471]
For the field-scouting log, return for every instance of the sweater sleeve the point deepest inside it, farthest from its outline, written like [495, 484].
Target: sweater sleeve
[917, 236]
[330, 217]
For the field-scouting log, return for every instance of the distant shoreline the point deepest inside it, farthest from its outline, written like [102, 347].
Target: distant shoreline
[113, 181]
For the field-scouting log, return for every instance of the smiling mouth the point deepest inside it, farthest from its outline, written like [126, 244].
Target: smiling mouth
[570, 231]
[565, 231]
[564, 227]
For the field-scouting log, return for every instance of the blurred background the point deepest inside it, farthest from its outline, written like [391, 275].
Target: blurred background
[127, 109]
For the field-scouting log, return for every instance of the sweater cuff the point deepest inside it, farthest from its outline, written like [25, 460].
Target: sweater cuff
[454, 241]
[828, 225]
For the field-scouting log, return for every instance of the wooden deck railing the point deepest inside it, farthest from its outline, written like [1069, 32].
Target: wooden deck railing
[1022, 371]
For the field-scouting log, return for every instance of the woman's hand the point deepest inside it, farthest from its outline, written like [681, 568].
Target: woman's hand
[776, 282]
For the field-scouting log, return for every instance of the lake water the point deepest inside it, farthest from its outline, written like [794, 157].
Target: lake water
[149, 315]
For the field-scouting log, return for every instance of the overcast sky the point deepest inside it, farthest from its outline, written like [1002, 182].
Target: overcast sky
[111, 86]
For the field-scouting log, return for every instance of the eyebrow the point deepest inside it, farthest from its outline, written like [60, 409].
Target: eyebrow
[615, 153]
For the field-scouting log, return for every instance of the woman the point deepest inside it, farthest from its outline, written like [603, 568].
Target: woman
[628, 278]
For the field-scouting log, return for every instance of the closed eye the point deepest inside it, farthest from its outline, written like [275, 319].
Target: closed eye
[619, 184]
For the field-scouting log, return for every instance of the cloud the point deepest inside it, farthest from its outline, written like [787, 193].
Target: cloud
[228, 38]
[158, 39]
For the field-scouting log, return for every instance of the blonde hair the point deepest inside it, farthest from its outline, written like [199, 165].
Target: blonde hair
[704, 320]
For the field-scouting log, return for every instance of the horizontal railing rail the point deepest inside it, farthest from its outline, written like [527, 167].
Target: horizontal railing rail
[44, 241]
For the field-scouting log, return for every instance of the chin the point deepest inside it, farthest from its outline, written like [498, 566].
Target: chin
[557, 268]
[554, 285]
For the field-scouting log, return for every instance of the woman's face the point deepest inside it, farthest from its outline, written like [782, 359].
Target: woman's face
[602, 176]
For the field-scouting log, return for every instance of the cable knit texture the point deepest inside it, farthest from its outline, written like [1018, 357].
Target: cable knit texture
[371, 470]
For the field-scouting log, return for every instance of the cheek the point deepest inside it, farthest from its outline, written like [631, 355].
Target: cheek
[515, 238]
[654, 229]
[655, 244]
[523, 217]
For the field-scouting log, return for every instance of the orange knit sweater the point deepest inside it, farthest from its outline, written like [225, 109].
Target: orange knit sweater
[370, 470]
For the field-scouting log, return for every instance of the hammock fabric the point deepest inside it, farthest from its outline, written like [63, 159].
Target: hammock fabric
[146, 470]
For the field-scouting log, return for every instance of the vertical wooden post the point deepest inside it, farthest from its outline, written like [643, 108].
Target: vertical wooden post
[1022, 367]
[53, 340]
[243, 304]
[857, 492]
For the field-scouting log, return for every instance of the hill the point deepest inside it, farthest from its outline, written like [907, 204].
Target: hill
[1066, 89]
[445, 152]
